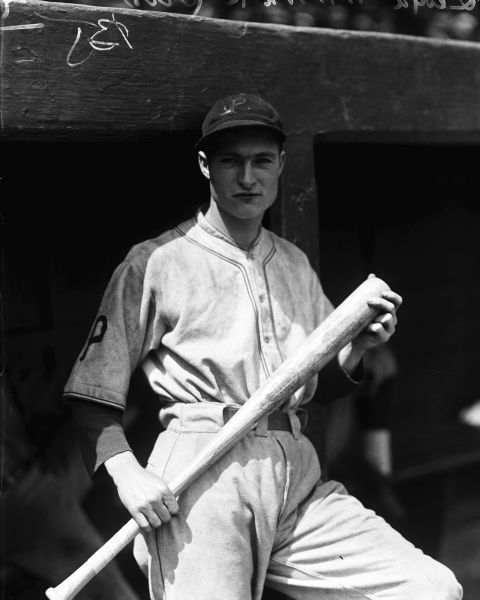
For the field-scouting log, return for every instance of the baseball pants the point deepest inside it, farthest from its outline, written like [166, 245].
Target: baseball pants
[262, 516]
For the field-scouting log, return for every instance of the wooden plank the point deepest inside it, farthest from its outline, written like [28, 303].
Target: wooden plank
[73, 70]
[297, 210]
[89, 69]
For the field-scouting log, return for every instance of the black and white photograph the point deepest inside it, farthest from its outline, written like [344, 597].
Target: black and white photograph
[239, 300]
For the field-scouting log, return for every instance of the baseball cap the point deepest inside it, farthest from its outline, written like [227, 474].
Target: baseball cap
[240, 110]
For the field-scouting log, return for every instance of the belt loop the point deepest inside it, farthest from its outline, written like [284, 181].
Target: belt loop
[295, 424]
[261, 430]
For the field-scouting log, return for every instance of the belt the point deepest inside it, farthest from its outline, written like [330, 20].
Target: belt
[278, 420]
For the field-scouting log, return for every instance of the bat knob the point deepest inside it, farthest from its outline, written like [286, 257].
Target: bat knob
[52, 594]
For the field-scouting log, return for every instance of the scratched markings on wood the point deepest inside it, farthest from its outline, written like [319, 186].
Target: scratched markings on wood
[70, 68]
[89, 67]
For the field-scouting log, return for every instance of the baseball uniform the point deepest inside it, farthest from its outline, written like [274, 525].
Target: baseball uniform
[208, 322]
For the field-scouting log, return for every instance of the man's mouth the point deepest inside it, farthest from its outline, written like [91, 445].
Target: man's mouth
[246, 195]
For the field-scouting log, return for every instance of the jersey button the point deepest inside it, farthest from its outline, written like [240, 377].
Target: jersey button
[267, 339]
[262, 297]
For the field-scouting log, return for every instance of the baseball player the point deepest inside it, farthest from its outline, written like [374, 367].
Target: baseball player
[209, 310]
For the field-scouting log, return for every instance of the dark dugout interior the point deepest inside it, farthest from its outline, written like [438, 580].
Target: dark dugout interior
[410, 214]
[70, 211]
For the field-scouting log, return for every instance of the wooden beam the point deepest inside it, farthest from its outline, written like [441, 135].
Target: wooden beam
[72, 70]
[85, 68]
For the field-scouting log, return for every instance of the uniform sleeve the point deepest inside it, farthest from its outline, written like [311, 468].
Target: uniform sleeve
[321, 304]
[125, 330]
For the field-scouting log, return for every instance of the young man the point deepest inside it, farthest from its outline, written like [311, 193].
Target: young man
[210, 310]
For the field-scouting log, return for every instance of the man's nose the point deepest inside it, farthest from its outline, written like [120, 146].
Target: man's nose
[246, 175]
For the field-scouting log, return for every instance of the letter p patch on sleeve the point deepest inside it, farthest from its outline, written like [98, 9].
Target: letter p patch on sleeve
[98, 331]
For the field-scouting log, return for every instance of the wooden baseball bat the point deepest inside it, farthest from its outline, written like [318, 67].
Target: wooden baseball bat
[335, 332]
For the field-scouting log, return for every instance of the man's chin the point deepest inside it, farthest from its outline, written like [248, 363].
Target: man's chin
[248, 215]
[250, 208]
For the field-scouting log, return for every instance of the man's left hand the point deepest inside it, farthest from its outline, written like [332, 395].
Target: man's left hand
[382, 327]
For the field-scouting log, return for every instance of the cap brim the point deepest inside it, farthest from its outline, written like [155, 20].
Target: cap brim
[237, 124]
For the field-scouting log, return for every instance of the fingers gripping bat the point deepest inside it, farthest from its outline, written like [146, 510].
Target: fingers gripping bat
[335, 332]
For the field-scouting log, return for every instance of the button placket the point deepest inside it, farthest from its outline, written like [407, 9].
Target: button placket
[266, 322]
[265, 317]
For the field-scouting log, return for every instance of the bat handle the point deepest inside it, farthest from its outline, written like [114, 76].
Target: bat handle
[78, 579]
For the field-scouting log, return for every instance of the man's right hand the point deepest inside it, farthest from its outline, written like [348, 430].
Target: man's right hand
[145, 495]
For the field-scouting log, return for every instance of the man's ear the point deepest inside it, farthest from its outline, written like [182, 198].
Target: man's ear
[203, 163]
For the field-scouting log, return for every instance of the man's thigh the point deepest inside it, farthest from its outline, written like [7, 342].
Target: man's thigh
[218, 546]
[338, 549]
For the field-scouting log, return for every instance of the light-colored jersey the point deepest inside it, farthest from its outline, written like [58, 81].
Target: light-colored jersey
[206, 320]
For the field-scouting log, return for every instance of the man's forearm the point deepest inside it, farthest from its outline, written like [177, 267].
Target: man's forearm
[350, 359]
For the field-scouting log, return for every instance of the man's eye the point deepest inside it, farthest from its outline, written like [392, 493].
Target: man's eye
[263, 162]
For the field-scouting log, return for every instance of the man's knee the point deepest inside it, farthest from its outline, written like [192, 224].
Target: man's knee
[437, 582]
[452, 589]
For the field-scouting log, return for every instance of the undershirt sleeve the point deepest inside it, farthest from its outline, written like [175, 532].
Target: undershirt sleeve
[100, 432]
[358, 374]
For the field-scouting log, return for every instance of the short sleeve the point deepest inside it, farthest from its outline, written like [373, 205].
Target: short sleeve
[124, 331]
[321, 304]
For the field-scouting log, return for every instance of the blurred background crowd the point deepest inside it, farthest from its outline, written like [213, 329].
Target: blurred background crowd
[444, 19]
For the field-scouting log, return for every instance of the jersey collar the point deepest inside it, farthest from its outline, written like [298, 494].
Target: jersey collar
[259, 248]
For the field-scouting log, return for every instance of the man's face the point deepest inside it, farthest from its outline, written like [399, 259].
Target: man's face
[244, 169]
